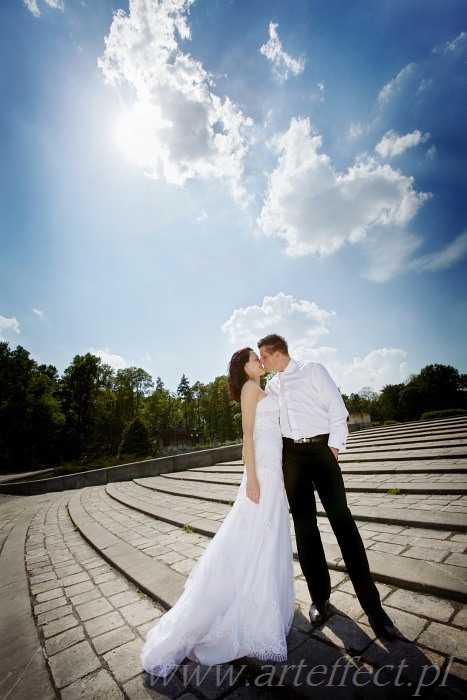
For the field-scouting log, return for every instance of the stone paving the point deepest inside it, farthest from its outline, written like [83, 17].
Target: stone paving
[90, 620]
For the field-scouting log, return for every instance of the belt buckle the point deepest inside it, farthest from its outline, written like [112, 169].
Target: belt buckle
[301, 441]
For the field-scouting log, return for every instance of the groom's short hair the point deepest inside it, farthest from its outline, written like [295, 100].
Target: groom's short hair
[274, 343]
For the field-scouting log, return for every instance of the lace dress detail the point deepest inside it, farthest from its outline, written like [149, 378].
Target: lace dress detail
[239, 598]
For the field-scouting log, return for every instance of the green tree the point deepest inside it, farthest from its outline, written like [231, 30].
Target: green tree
[85, 389]
[185, 393]
[30, 414]
[218, 411]
[132, 384]
[135, 440]
[162, 411]
[436, 387]
[159, 384]
[389, 402]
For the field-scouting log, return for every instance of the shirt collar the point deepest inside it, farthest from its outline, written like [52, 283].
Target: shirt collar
[291, 367]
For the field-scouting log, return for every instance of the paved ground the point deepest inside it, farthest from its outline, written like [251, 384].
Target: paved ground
[86, 573]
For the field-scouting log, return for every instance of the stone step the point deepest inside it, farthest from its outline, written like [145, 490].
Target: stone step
[226, 494]
[357, 486]
[408, 439]
[436, 466]
[417, 575]
[403, 445]
[417, 427]
[371, 455]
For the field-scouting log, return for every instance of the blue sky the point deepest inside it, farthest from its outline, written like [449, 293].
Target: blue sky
[180, 178]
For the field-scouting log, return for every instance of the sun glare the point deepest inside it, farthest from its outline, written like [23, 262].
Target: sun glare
[137, 134]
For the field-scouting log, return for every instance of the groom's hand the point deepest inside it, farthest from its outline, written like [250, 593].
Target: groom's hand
[335, 452]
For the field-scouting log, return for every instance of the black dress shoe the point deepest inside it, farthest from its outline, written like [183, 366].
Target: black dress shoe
[382, 625]
[319, 613]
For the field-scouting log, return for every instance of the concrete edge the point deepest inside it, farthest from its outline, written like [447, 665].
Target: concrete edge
[123, 472]
[23, 668]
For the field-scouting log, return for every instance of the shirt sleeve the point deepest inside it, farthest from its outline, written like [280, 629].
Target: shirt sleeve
[335, 406]
[272, 387]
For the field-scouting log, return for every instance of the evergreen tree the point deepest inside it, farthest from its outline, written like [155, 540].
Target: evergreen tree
[135, 441]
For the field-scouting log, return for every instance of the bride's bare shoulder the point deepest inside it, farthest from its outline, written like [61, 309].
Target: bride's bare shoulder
[250, 390]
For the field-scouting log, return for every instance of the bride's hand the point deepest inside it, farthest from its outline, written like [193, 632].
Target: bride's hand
[252, 489]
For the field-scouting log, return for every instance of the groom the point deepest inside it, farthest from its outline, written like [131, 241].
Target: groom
[313, 421]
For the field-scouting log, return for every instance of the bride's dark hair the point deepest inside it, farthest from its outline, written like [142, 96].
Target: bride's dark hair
[237, 375]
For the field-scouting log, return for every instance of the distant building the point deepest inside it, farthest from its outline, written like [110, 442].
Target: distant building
[358, 421]
[180, 439]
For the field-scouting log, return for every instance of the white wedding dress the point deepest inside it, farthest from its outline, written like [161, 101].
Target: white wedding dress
[239, 598]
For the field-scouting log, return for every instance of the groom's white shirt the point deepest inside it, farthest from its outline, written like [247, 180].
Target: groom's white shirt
[310, 403]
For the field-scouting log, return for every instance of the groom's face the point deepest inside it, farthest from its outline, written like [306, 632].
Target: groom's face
[268, 359]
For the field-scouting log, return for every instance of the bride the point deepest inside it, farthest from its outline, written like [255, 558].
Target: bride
[239, 598]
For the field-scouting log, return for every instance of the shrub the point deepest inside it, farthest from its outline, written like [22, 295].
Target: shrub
[445, 413]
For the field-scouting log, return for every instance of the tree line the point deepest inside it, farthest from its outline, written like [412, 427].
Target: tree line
[93, 414]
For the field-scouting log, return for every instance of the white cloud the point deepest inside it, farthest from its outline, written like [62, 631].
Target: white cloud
[452, 46]
[202, 216]
[317, 209]
[394, 145]
[39, 313]
[377, 368]
[444, 259]
[8, 324]
[115, 361]
[284, 65]
[393, 254]
[178, 127]
[431, 152]
[356, 130]
[300, 321]
[388, 253]
[394, 86]
[34, 7]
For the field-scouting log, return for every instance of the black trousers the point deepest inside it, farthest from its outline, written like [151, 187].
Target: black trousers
[313, 466]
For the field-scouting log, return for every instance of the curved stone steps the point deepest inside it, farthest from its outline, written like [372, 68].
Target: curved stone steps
[451, 439]
[405, 446]
[151, 576]
[372, 455]
[436, 466]
[384, 485]
[440, 425]
[321, 642]
[429, 577]
[382, 513]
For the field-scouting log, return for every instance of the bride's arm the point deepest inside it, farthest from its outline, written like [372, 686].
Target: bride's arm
[248, 402]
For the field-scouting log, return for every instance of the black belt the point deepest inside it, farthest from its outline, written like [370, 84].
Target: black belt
[316, 438]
